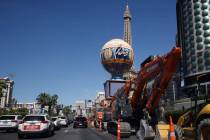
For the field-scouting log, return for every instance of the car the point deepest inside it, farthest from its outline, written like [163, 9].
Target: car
[36, 124]
[80, 122]
[56, 122]
[10, 122]
[63, 121]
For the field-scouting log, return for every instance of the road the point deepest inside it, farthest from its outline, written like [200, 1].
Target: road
[69, 133]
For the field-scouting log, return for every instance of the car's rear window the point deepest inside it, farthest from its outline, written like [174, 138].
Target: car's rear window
[63, 117]
[81, 119]
[53, 119]
[34, 118]
[7, 117]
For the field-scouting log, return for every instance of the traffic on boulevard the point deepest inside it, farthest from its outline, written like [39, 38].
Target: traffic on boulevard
[67, 73]
[39, 127]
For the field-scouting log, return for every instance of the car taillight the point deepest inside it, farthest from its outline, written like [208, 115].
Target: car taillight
[44, 121]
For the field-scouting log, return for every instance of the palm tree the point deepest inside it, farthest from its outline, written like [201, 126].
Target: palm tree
[43, 99]
[53, 102]
[66, 110]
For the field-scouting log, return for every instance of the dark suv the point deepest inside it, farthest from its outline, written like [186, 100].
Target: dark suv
[80, 122]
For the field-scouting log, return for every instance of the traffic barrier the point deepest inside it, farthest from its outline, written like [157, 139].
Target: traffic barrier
[100, 125]
[172, 135]
[118, 128]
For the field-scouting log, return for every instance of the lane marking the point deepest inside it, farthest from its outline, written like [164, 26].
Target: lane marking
[66, 131]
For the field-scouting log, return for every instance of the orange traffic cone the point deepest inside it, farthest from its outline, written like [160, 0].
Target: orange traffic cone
[100, 125]
[118, 128]
[172, 135]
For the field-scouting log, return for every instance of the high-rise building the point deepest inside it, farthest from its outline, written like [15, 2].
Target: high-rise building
[79, 108]
[194, 39]
[127, 26]
[99, 97]
[6, 98]
[127, 37]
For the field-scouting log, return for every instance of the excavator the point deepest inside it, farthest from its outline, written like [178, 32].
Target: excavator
[138, 101]
[195, 122]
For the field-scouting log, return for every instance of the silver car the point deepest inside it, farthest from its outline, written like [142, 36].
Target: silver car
[36, 124]
[63, 121]
[56, 122]
[10, 122]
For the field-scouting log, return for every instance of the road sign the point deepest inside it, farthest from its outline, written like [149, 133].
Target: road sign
[100, 115]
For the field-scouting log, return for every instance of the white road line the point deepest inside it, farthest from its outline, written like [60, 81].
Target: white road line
[66, 131]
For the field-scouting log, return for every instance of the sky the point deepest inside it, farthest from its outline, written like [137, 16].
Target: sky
[54, 46]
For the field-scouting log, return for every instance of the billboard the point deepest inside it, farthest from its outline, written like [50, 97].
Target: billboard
[111, 86]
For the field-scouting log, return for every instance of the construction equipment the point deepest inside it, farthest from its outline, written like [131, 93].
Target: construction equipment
[138, 100]
[195, 122]
[172, 130]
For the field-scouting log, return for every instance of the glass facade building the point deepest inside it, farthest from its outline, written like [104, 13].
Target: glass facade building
[194, 38]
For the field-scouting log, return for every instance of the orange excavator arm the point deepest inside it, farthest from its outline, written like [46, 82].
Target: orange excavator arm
[169, 68]
[162, 67]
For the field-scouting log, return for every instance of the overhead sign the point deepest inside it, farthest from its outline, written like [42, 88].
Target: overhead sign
[111, 87]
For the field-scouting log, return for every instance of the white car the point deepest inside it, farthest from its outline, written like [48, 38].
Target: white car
[63, 121]
[36, 124]
[9, 122]
[56, 122]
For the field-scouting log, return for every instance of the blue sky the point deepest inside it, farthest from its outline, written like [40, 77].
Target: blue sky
[54, 45]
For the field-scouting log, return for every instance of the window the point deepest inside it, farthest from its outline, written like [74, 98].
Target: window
[81, 119]
[198, 32]
[199, 39]
[7, 117]
[196, 5]
[206, 26]
[199, 54]
[206, 19]
[205, 13]
[200, 67]
[200, 60]
[207, 40]
[197, 18]
[207, 46]
[207, 33]
[19, 117]
[34, 118]
[204, 6]
[200, 46]
[196, 12]
[198, 25]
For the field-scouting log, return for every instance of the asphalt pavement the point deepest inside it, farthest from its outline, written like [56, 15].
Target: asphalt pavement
[69, 133]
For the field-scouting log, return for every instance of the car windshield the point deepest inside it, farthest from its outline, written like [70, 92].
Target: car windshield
[34, 118]
[53, 119]
[7, 117]
[81, 119]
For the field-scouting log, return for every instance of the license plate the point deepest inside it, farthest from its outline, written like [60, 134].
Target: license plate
[32, 127]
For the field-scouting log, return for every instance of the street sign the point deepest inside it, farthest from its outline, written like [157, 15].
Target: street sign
[100, 115]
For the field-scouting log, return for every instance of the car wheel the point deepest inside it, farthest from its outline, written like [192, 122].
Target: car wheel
[20, 136]
[49, 133]
[53, 132]
[203, 130]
